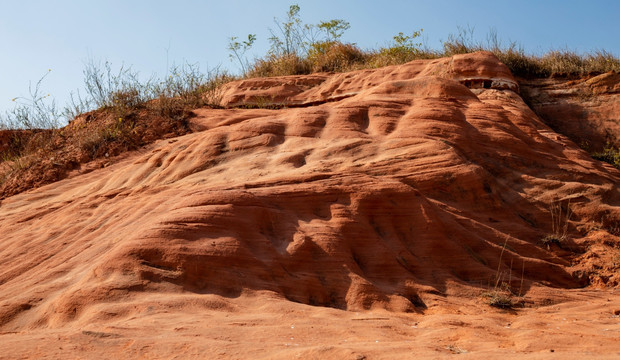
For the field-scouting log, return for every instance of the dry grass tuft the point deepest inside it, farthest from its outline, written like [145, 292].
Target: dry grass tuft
[333, 56]
[560, 219]
[280, 65]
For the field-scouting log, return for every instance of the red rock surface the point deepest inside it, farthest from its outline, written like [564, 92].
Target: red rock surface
[365, 216]
[587, 110]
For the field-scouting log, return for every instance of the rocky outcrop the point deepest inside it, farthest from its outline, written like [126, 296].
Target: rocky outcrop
[391, 188]
[587, 110]
[484, 71]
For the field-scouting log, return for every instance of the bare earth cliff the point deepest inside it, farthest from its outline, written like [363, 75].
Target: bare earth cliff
[369, 214]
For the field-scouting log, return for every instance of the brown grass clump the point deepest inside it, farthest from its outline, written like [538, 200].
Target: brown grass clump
[501, 300]
[502, 295]
[279, 65]
[560, 220]
[333, 56]
[567, 62]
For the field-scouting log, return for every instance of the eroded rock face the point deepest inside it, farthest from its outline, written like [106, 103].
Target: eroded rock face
[587, 110]
[383, 188]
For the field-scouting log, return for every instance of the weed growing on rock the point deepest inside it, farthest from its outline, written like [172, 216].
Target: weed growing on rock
[238, 49]
[559, 224]
[501, 295]
[609, 155]
[37, 111]
[404, 48]
[502, 300]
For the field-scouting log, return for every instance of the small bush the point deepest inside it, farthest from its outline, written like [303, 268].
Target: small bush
[519, 63]
[281, 65]
[403, 49]
[501, 300]
[562, 62]
[601, 61]
[333, 56]
[609, 155]
[501, 296]
[106, 88]
[551, 239]
[187, 88]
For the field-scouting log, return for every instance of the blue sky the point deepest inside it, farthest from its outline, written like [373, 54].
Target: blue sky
[62, 35]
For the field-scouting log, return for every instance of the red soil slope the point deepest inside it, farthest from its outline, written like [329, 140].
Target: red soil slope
[406, 189]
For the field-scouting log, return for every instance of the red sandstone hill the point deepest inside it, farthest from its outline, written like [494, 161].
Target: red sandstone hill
[406, 196]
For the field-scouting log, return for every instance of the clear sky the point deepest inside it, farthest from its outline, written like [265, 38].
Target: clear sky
[61, 35]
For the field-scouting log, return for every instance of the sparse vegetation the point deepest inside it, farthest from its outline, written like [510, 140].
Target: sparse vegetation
[403, 49]
[520, 63]
[117, 112]
[501, 295]
[560, 219]
[501, 299]
[238, 49]
[551, 239]
[609, 155]
[297, 49]
[36, 111]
